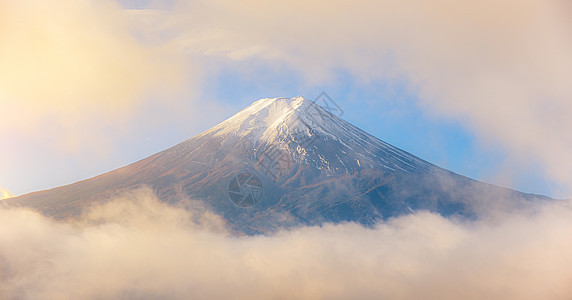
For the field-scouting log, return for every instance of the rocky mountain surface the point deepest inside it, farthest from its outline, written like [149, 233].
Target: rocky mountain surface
[285, 162]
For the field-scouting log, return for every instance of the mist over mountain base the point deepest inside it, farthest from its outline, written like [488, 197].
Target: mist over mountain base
[135, 246]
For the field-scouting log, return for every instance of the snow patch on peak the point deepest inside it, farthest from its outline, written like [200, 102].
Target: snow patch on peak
[261, 118]
[279, 105]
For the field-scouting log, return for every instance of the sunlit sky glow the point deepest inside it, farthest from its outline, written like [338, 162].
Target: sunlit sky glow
[480, 88]
[4, 194]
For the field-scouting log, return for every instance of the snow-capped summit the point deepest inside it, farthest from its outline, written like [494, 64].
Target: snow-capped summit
[285, 123]
[282, 162]
[263, 117]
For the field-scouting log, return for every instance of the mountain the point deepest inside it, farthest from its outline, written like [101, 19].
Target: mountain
[284, 162]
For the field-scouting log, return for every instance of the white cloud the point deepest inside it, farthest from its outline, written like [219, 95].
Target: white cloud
[136, 247]
[72, 66]
[503, 68]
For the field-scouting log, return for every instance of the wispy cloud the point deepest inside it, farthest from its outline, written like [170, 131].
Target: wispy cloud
[503, 68]
[73, 64]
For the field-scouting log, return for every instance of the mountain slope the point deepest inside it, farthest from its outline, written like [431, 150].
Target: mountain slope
[283, 162]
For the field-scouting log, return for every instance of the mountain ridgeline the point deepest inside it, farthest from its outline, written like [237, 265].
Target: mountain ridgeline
[287, 162]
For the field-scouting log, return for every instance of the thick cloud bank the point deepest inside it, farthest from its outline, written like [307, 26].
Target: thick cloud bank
[137, 247]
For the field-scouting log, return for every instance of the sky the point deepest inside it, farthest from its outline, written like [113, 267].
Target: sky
[479, 87]
[482, 88]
